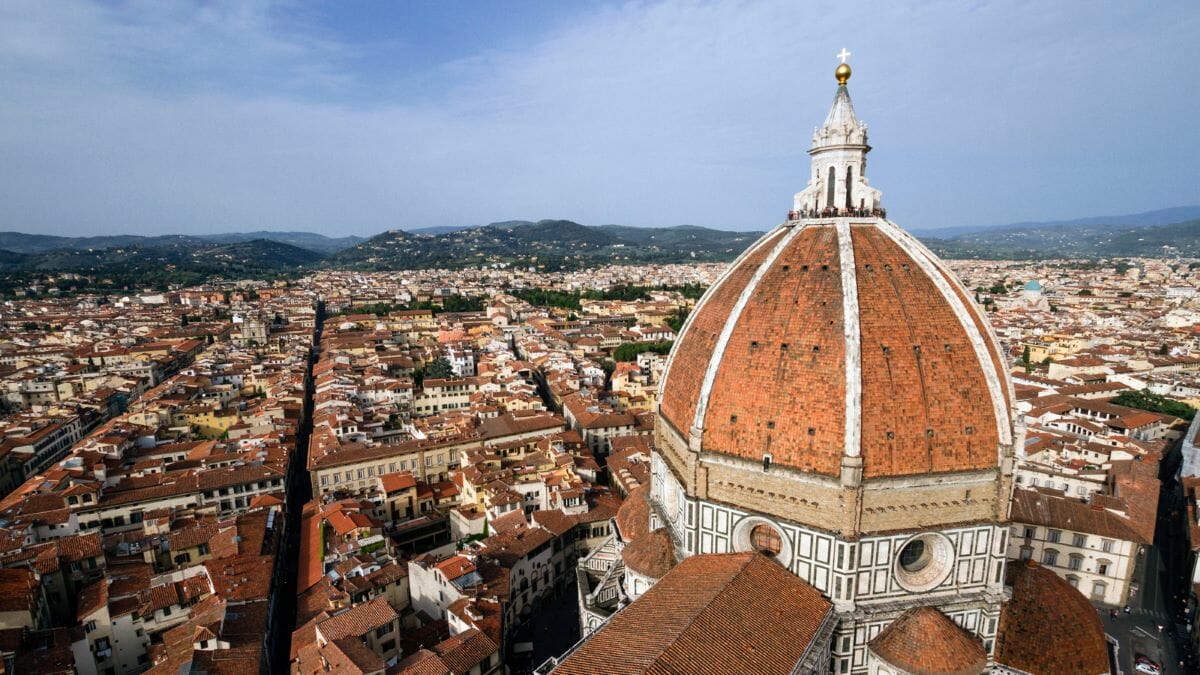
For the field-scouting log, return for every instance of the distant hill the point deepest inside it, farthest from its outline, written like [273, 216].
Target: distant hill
[309, 240]
[21, 242]
[1074, 241]
[1177, 214]
[547, 244]
[130, 260]
[185, 262]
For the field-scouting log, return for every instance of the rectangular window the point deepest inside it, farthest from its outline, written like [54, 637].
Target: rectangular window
[1079, 540]
[1106, 545]
[1054, 536]
[1030, 532]
[1050, 557]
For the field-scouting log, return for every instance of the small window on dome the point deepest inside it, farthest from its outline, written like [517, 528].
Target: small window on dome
[766, 540]
[771, 425]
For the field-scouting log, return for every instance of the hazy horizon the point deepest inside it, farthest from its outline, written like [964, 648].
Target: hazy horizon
[184, 118]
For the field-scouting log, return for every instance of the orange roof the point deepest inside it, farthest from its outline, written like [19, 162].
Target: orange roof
[1049, 626]
[923, 640]
[767, 349]
[455, 567]
[395, 482]
[706, 617]
[311, 565]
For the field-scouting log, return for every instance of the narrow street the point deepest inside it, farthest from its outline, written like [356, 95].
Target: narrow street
[299, 491]
[1159, 600]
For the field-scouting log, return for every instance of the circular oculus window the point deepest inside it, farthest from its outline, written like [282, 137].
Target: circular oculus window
[766, 539]
[924, 561]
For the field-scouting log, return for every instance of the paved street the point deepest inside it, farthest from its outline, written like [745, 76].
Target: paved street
[1159, 575]
[553, 630]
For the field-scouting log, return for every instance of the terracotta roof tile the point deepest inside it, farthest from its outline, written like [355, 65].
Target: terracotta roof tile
[780, 384]
[923, 641]
[1048, 626]
[707, 616]
[652, 554]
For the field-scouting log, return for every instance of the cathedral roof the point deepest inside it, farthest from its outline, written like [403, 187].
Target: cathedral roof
[633, 518]
[1049, 626]
[651, 555]
[923, 641]
[841, 337]
[709, 615]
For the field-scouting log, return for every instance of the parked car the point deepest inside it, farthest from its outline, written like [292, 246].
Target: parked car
[1144, 664]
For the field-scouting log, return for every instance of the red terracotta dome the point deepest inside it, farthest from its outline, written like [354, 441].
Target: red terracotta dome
[1049, 626]
[924, 641]
[633, 518]
[651, 555]
[840, 337]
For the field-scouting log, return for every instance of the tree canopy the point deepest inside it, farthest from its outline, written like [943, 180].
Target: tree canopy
[1145, 400]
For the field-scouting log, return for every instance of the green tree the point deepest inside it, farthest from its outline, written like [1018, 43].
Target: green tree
[675, 321]
[629, 351]
[439, 369]
[1025, 354]
[1145, 400]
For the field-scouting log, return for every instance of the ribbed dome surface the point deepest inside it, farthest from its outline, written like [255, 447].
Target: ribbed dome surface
[841, 338]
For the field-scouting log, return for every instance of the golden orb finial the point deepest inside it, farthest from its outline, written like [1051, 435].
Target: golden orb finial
[842, 73]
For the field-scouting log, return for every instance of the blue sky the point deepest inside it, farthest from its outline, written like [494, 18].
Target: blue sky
[156, 116]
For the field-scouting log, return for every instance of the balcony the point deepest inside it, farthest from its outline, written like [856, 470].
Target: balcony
[828, 212]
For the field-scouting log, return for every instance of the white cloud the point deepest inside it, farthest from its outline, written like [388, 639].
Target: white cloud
[161, 116]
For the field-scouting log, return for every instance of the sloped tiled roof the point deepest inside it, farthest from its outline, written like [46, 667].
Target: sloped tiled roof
[709, 615]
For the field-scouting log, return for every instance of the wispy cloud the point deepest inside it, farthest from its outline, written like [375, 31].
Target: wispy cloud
[175, 116]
